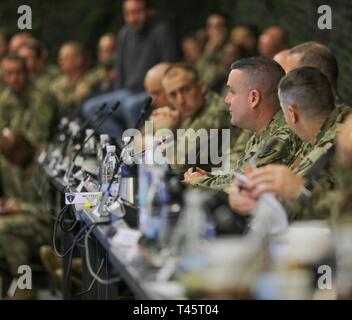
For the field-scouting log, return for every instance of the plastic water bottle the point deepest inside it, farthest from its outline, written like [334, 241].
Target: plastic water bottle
[108, 168]
[101, 153]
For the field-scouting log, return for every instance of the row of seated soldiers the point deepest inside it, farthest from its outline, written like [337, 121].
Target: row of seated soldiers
[33, 97]
[211, 50]
[283, 118]
[69, 83]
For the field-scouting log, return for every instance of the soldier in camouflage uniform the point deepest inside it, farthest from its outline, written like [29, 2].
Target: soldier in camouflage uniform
[308, 103]
[192, 107]
[23, 108]
[99, 75]
[210, 66]
[341, 204]
[34, 52]
[72, 87]
[272, 140]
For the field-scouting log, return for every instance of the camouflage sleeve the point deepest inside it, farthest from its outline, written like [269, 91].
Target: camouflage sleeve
[189, 146]
[321, 203]
[223, 181]
[342, 205]
[280, 150]
[276, 150]
[316, 207]
[47, 118]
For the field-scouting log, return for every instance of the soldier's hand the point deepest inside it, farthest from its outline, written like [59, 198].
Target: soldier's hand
[165, 118]
[344, 143]
[193, 177]
[278, 179]
[240, 200]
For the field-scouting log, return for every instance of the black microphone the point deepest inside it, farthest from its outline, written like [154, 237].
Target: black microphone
[105, 117]
[145, 113]
[93, 118]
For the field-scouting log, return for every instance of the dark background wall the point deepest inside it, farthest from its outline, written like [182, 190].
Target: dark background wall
[58, 21]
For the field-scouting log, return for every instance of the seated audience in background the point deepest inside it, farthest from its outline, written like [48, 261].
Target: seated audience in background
[142, 43]
[18, 40]
[34, 52]
[27, 117]
[72, 86]
[272, 41]
[245, 36]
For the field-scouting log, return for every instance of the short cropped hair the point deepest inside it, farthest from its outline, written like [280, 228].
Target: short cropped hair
[315, 54]
[172, 70]
[262, 73]
[309, 90]
[79, 48]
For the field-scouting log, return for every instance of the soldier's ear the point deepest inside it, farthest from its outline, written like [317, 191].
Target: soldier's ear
[293, 113]
[254, 98]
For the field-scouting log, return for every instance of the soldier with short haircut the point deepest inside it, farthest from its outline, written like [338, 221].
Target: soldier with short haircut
[34, 52]
[192, 106]
[29, 114]
[72, 87]
[308, 104]
[254, 106]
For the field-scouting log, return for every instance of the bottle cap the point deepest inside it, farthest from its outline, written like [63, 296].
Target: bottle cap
[104, 138]
[110, 149]
[89, 132]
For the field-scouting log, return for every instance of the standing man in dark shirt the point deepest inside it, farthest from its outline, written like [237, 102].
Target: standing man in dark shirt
[142, 43]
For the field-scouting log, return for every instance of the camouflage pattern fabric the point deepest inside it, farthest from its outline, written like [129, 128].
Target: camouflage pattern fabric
[277, 144]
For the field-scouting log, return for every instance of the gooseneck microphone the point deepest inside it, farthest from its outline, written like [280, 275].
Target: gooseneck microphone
[145, 113]
[93, 118]
[104, 118]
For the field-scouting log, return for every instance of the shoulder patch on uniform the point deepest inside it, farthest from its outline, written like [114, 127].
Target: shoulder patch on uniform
[274, 146]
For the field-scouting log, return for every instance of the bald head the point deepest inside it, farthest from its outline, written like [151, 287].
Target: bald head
[316, 55]
[152, 84]
[18, 40]
[281, 57]
[272, 41]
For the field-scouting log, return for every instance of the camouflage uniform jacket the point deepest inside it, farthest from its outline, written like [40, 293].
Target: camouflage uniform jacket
[214, 115]
[44, 79]
[325, 182]
[277, 144]
[32, 114]
[341, 206]
[69, 94]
